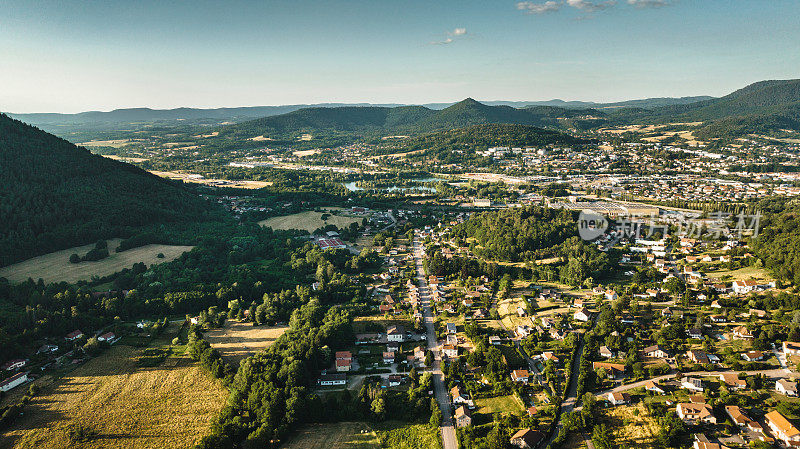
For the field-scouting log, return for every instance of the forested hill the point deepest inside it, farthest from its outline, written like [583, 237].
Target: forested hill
[56, 195]
[382, 121]
[762, 107]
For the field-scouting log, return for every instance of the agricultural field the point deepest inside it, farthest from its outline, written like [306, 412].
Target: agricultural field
[56, 267]
[238, 340]
[308, 221]
[122, 405]
[358, 435]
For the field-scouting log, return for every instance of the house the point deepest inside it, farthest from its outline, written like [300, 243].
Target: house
[532, 411]
[44, 349]
[732, 381]
[108, 336]
[344, 355]
[696, 413]
[617, 398]
[74, 335]
[13, 365]
[13, 381]
[753, 356]
[582, 315]
[614, 370]
[656, 351]
[654, 387]
[331, 379]
[556, 334]
[526, 438]
[396, 333]
[741, 419]
[782, 428]
[451, 328]
[667, 312]
[521, 312]
[451, 351]
[719, 318]
[393, 346]
[522, 331]
[419, 353]
[463, 416]
[388, 357]
[742, 333]
[791, 348]
[343, 365]
[494, 340]
[394, 380]
[520, 375]
[611, 295]
[695, 333]
[786, 387]
[451, 339]
[697, 356]
[605, 352]
[548, 355]
[742, 287]
[692, 384]
[458, 396]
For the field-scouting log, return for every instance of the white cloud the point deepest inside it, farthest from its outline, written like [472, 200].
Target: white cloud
[648, 3]
[451, 36]
[538, 8]
[585, 5]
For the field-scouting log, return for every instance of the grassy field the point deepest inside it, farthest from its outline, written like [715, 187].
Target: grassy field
[308, 221]
[238, 340]
[357, 435]
[631, 430]
[500, 404]
[168, 406]
[742, 274]
[56, 267]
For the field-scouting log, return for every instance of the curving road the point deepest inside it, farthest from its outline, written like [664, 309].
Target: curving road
[449, 440]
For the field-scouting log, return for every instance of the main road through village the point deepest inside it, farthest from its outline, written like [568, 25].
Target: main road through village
[449, 440]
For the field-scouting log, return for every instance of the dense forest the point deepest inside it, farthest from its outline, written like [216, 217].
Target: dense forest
[57, 195]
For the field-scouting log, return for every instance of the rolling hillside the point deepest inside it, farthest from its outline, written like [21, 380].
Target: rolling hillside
[381, 121]
[57, 195]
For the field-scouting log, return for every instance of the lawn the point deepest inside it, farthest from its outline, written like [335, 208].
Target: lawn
[167, 406]
[500, 404]
[56, 267]
[308, 221]
[358, 435]
[238, 340]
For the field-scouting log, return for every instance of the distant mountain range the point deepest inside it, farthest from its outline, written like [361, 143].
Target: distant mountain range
[763, 107]
[129, 115]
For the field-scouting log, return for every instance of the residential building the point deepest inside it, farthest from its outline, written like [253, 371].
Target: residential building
[782, 429]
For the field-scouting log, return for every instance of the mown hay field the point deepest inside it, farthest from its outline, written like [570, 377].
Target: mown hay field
[56, 267]
[238, 340]
[308, 221]
[126, 406]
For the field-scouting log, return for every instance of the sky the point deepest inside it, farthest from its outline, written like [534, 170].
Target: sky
[72, 56]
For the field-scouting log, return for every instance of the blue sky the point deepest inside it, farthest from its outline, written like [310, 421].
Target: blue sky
[70, 56]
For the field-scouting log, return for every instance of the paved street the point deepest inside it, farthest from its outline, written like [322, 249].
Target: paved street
[448, 432]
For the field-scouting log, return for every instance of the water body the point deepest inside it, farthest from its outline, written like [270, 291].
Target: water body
[351, 186]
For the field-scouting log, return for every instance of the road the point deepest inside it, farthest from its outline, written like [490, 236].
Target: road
[568, 404]
[771, 373]
[449, 440]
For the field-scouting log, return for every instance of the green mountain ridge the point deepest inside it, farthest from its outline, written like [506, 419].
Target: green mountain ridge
[58, 195]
